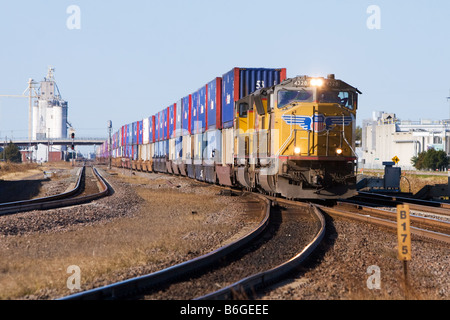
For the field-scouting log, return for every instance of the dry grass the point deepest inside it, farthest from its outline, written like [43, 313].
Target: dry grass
[31, 264]
[418, 181]
[8, 167]
[9, 170]
[414, 181]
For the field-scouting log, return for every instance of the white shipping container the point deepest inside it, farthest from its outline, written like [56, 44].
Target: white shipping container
[146, 131]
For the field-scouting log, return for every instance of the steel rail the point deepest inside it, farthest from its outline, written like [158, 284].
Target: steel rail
[387, 223]
[417, 204]
[59, 200]
[430, 222]
[273, 275]
[141, 283]
[33, 204]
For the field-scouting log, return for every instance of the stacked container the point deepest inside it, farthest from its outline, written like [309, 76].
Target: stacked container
[194, 136]
[240, 82]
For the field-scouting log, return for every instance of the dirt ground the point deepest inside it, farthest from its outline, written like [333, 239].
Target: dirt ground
[149, 223]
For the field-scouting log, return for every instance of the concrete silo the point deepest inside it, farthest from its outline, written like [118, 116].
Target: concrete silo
[49, 119]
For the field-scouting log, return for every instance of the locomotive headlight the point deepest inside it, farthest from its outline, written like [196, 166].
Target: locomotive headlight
[297, 150]
[316, 82]
[338, 151]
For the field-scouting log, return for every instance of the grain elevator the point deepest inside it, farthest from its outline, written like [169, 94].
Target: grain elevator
[49, 120]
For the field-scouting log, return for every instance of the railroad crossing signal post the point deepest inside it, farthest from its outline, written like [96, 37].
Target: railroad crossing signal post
[404, 240]
[73, 148]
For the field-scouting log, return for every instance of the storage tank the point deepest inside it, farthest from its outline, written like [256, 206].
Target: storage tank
[49, 112]
[35, 123]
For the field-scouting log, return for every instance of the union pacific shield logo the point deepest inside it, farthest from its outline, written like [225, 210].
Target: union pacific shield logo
[317, 122]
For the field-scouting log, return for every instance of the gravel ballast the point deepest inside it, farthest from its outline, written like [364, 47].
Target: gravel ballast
[97, 236]
[352, 256]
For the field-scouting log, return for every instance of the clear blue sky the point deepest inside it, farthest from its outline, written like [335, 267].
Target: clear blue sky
[132, 58]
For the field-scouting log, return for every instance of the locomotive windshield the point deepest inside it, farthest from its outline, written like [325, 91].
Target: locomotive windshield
[286, 97]
[346, 99]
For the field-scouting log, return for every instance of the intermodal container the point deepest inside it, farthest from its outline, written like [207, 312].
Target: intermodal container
[240, 82]
[166, 123]
[202, 109]
[145, 131]
[213, 153]
[160, 126]
[140, 132]
[151, 129]
[186, 115]
[195, 98]
[134, 149]
[172, 120]
[122, 136]
[214, 104]
[129, 134]
[156, 149]
[178, 121]
[115, 140]
[134, 133]
[157, 126]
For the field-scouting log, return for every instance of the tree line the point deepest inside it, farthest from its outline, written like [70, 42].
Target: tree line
[431, 160]
[11, 153]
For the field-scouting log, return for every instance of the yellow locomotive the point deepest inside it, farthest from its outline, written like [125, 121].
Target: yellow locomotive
[297, 139]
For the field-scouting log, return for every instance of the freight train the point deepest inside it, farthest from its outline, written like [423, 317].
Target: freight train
[251, 128]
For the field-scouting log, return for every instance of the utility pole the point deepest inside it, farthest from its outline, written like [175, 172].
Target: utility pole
[448, 99]
[109, 143]
[32, 86]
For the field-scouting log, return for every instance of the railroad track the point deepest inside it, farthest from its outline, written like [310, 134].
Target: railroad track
[84, 191]
[414, 204]
[421, 226]
[226, 273]
[213, 276]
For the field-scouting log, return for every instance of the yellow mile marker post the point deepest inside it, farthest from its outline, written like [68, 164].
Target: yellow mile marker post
[404, 240]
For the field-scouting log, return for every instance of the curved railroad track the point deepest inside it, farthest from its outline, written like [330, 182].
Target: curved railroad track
[84, 191]
[265, 255]
[290, 213]
[219, 275]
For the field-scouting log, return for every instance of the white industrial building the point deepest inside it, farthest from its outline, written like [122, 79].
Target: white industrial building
[385, 137]
[49, 120]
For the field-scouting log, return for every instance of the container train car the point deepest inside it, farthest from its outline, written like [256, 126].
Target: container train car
[252, 128]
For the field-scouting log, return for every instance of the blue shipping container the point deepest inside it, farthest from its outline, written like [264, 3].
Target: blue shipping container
[160, 126]
[214, 104]
[172, 120]
[202, 109]
[195, 98]
[134, 133]
[186, 115]
[178, 119]
[129, 135]
[166, 123]
[240, 82]
[140, 132]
